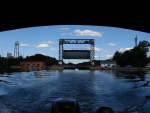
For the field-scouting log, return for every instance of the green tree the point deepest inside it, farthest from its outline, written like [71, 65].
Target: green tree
[49, 61]
[141, 53]
[136, 57]
[144, 45]
[117, 57]
[148, 60]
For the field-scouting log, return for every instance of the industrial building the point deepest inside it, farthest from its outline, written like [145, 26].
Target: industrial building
[32, 66]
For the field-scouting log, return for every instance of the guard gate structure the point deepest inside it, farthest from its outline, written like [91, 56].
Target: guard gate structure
[76, 54]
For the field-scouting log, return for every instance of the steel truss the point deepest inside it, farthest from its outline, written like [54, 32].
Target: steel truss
[77, 41]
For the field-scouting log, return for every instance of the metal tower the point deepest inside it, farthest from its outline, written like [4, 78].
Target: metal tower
[76, 41]
[16, 50]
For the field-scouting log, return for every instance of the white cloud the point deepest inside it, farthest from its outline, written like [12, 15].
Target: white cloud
[109, 56]
[48, 42]
[52, 48]
[26, 45]
[63, 34]
[111, 44]
[96, 49]
[42, 46]
[125, 49]
[87, 33]
[96, 56]
[43, 54]
[64, 29]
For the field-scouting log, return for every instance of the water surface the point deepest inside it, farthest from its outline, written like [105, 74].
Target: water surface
[33, 92]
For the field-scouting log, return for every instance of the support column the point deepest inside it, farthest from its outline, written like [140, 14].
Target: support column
[92, 55]
[60, 52]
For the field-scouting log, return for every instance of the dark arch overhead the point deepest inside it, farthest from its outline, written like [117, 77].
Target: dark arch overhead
[23, 16]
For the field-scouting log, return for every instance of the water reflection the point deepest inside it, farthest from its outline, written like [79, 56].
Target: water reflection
[131, 76]
[34, 91]
[7, 82]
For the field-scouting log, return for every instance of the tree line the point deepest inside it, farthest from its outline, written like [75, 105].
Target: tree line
[136, 57]
[6, 63]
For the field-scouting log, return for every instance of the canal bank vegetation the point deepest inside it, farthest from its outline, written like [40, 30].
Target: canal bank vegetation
[136, 57]
[7, 64]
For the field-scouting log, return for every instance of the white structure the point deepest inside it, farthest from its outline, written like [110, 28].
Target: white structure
[16, 50]
[9, 55]
[108, 63]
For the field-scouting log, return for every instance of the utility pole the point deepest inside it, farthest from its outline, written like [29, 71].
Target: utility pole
[136, 41]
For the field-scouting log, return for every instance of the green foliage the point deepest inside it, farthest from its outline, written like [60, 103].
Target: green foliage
[83, 64]
[6, 63]
[136, 57]
[117, 57]
[148, 59]
[144, 45]
[49, 61]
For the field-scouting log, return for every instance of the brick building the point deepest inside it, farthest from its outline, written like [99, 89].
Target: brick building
[32, 66]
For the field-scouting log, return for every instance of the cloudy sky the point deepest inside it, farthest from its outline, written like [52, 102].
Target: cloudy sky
[45, 40]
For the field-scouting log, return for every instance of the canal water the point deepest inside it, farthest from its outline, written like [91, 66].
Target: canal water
[33, 92]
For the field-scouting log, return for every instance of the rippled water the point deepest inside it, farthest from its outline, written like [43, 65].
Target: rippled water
[33, 92]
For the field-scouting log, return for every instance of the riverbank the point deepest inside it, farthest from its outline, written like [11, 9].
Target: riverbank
[127, 69]
[9, 70]
[101, 68]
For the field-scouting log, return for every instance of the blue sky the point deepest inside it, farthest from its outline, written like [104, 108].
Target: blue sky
[45, 40]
